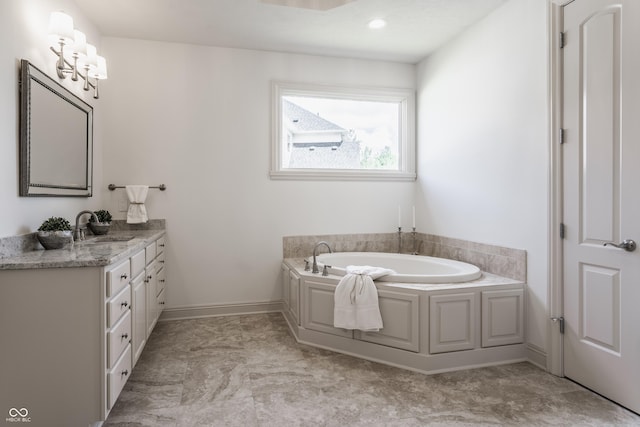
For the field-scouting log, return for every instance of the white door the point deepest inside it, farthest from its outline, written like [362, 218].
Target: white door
[601, 182]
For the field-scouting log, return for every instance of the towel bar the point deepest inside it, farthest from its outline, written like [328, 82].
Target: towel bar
[161, 187]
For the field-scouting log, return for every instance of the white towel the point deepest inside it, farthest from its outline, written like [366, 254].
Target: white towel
[356, 299]
[137, 212]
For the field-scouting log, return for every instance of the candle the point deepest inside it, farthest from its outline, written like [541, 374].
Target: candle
[399, 217]
[414, 217]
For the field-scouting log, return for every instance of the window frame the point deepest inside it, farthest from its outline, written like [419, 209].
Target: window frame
[407, 143]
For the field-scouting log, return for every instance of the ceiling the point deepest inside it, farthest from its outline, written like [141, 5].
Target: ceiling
[415, 28]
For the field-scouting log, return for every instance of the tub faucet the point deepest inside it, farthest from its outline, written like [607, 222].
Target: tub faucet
[79, 234]
[315, 249]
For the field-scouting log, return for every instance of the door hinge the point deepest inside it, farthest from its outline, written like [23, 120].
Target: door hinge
[561, 40]
[559, 320]
[562, 230]
[561, 136]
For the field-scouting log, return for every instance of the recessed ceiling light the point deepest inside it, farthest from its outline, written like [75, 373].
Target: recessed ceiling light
[376, 24]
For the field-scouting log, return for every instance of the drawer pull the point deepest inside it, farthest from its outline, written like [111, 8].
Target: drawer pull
[124, 336]
[150, 277]
[162, 245]
[162, 302]
[124, 304]
[124, 276]
[124, 373]
[162, 280]
[161, 261]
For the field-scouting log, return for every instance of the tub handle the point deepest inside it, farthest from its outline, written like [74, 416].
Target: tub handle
[325, 270]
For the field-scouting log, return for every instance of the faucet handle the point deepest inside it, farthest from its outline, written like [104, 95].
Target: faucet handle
[306, 265]
[325, 270]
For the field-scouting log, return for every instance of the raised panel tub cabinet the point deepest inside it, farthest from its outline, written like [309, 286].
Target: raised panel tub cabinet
[426, 327]
[73, 325]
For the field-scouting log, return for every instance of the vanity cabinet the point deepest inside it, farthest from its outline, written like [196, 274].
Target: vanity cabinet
[70, 337]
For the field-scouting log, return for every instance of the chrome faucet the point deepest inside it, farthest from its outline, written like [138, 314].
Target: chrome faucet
[315, 264]
[78, 234]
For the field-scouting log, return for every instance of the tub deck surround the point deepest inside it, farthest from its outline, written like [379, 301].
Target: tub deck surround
[493, 259]
[487, 279]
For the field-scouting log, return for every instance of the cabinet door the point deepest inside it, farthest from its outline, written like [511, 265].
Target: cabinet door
[399, 319]
[139, 309]
[294, 296]
[502, 317]
[318, 309]
[452, 322]
[150, 291]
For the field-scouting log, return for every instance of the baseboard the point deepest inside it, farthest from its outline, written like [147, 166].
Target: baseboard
[194, 312]
[537, 356]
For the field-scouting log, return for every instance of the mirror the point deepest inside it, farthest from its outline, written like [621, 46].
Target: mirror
[56, 138]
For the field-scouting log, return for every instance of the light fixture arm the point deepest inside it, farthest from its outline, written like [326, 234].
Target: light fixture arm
[63, 67]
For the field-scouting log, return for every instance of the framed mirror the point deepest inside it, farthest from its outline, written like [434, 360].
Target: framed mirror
[56, 138]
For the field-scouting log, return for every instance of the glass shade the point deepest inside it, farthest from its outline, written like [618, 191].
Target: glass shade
[61, 27]
[100, 71]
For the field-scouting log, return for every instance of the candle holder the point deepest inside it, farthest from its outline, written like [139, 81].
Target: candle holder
[413, 239]
[399, 239]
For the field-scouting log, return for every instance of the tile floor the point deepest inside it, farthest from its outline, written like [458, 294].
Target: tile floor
[249, 371]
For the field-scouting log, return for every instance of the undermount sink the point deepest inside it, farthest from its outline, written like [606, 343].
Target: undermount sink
[107, 239]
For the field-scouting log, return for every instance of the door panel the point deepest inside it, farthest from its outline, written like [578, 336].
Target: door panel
[601, 159]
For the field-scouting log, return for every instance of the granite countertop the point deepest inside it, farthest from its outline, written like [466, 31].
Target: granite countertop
[487, 279]
[85, 253]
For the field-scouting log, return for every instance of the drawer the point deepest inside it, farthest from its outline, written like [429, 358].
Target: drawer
[160, 299]
[161, 280]
[118, 306]
[137, 263]
[160, 243]
[118, 338]
[117, 278]
[150, 252]
[160, 260]
[118, 376]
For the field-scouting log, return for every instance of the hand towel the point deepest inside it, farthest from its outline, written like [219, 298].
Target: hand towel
[356, 299]
[137, 212]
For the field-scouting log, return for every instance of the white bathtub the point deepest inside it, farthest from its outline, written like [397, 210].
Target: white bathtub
[409, 268]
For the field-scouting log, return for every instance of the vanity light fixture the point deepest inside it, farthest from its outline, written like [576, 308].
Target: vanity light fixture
[79, 55]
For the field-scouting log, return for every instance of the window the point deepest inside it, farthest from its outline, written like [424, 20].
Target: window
[328, 132]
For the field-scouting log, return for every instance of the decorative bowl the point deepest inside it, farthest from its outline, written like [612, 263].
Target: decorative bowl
[55, 239]
[99, 228]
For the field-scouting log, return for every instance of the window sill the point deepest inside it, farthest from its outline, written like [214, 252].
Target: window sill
[342, 175]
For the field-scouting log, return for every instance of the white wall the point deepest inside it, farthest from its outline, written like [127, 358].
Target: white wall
[23, 31]
[198, 120]
[482, 139]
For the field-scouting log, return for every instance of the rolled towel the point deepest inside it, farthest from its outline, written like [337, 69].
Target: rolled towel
[137, 212]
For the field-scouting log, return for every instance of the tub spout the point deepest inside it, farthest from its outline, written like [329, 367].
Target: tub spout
[315, 250]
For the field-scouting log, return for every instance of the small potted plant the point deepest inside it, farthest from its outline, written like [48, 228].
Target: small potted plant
[101, 227]
[55, 233]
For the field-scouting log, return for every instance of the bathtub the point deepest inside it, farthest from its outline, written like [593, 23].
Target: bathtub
[409, 268]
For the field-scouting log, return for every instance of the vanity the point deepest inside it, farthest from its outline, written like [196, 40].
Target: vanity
[74, 322]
